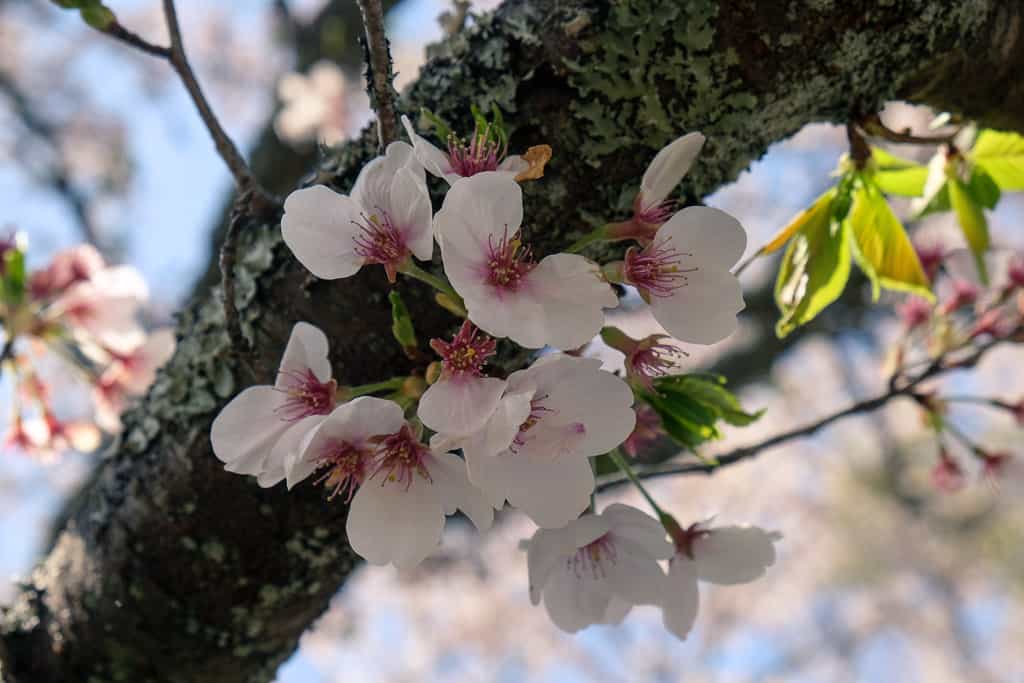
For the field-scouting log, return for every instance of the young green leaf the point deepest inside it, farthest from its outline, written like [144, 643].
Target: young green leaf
[894, 175]
[983, 189]
[822, 205]
[1001, 155]
[814, 270]
[972, 221]
[881, 245]
[691, 406]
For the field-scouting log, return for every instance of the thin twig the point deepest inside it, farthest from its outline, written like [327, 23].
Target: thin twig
[378, 71]
[907, 389]
[119, 32]
[244, 179]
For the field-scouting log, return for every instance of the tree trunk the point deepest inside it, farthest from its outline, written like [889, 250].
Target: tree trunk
[176, 571]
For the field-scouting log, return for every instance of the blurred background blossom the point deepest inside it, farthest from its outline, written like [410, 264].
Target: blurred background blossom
[881, 575]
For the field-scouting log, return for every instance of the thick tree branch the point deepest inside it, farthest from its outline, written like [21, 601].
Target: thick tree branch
[170, 555]
[378, 71]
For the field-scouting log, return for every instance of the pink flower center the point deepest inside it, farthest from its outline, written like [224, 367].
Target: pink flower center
[537, 413]
[557, 439]
[653, 358]
[466, 353]
[401, 456]
[482, 153]
[591, 558]
[508, 261]
[379, 241]
[346, 467]
[947, 475]
[684, 539]
[656, 214]
[656, 269]
[305, 395]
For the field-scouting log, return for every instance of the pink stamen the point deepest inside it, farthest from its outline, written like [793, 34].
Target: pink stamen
[657, 268]
[653, 358]
[481, 154]
[508, 261]
[537, 413]
[656, 214]
[401, 456]
[306, 395]
[590, 558]
[466, 353]
[346, 467]
[379, 241]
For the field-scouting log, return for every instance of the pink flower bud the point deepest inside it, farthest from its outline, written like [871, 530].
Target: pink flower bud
[947, 476]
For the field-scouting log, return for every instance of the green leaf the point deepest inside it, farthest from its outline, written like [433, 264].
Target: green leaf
[401, 322]
[881, 246]
[814, 271]
[973, 223]
[691, 406]
[14, 276]
[709, 391]
[983, 189]
[821, 204]
[441, 129]
[1002, 156]
[99, 16]
[898, 176]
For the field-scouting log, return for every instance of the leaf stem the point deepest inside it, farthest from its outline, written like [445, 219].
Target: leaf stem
[437, 282]
[393, 384]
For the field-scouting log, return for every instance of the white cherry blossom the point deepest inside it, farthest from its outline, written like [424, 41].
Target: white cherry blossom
[262, 426]
[397, 515]
[557, 302]
[130, 374]
[727, 555]
[534, 450]
[652, 206]
[320, 105]
[386, 220]
[462, 398]
[103, 309]
[597, 567]
[684, 274]
[465, 159]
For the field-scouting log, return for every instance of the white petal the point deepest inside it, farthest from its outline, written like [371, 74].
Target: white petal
[573, 603]
[318, 226]
[734, 554]
[389, 523]
[449, 475]
[461, 405]
[372, 188]
[546, 550]
[432, 158]
[587, 529]
[550, 491]
[247, 426]
[634, 575]
[573, 294]
[485, 206]
[287, 447]
[669, 166]
[710, 237]
[616, 611]
[157, 350]
[599, 400]
[679, 608]
[703, 311]
[499, 431]
[121, 282]
[410, 211]
[306, 350]
[513, 164]
[640, 528]
[516, 315]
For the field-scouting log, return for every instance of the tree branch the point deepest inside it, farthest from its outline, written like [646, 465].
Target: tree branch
[378, 72]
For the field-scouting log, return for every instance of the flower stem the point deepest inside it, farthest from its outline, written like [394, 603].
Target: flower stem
[616, 457]
[439, 283]
[393, 384]
[743, 266]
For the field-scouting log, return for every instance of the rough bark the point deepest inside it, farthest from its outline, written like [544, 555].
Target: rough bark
[175, 571]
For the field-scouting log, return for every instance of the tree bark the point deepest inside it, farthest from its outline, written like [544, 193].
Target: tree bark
[176, 571]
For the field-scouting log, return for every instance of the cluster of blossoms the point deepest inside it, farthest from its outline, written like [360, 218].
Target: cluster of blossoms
[529, 438]
[81, 314]
[970, 312]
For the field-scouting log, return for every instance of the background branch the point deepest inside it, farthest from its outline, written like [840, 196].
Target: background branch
[378, 72]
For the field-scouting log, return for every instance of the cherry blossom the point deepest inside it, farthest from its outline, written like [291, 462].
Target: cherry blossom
[597, 567]
[317, 105]
[66, 268]
[534, 450]
[462, 399]
[481, 153]
[342, 447]
[727, 555]
[684, 274]
[104, 308]
[386, 220]
[397, 514]
[130, 374]
[646, 359]
[556, 302]
[260, 428]
[947, 475]
[651, 206]
[647, 433]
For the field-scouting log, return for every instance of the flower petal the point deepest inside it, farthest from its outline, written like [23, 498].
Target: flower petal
[307, 349]
[449, 475]
[573, 603]
[669, 166]
[318, 226]
[639, 528]
[247, 427]
[486, 206]
[545, 551]
[679, 608]
[391, 523]
[287, 448]
[409, 209]
[550, 491]
[734, 554]
[710, 237]
[433, 159]
[460, 405]
[635, 575]
[572, 293]
[703, 311]
[372, 188]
